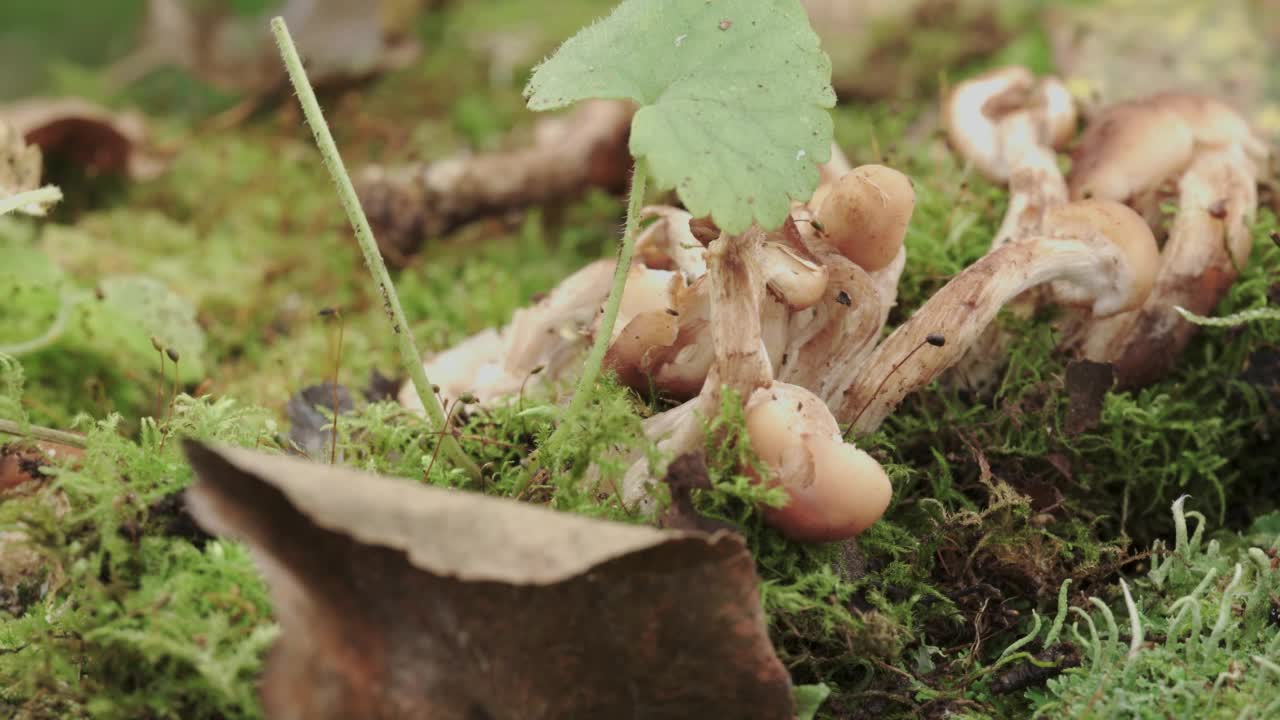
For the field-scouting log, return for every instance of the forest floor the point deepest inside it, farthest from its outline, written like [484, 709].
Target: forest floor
[132, 612]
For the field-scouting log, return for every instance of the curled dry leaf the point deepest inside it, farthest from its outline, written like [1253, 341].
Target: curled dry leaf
[311, 412]
[88, 135]
[400, 600]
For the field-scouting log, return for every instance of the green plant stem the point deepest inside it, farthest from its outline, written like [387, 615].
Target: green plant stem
[10, 427]
[595, 358]
[46, 195]
[409, 354]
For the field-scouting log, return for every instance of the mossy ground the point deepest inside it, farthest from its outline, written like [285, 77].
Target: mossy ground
[136, 614]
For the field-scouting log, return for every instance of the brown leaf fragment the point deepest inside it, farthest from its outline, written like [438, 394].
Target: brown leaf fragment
[404, 601]
[22, 463]
[1087, 385]
[90, 136]
[684, 475]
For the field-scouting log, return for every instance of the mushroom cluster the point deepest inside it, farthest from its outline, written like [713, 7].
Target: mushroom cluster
[791, 320]
[1170, 147]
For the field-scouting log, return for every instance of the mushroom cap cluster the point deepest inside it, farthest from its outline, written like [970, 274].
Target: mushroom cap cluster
[1133, 147]
[791, 319]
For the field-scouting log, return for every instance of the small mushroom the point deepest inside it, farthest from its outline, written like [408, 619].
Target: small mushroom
[1207, 246]
[798, 280]
[1130, 149]
[1096, 254]
[865, 214]
[835, 490]
[539, 345]
[1214, 157]
[669, 244]
[1008, 124]
[995, 118]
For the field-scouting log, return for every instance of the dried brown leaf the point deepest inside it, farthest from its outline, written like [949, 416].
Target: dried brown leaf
[399, 600]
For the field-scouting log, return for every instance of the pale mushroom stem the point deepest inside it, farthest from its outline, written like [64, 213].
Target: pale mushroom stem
[1035, 182]
[737, 293]
[838, 333]
[960, 311]
[741, 360]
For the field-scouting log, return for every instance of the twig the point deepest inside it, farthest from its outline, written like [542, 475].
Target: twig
[409, 354]
[10, 427]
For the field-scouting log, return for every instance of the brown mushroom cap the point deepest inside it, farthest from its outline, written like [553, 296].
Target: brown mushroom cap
[1127, 231]
[819, 196]
[1131, 148]
[1211, 122]
[835, 490]
[866, 213]
[633, 349]
[647, 290]
[800, 281]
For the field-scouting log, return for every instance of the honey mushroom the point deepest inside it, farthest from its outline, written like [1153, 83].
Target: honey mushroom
[1213, 159]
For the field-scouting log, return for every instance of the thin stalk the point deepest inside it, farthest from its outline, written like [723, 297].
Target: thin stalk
[409, 354]
[41, 197]
[595, 359]
[10, 427]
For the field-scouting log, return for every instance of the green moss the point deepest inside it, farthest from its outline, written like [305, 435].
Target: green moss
[135, 615]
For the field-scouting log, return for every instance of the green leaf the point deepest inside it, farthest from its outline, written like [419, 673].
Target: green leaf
[808, 699]
[733, 94]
